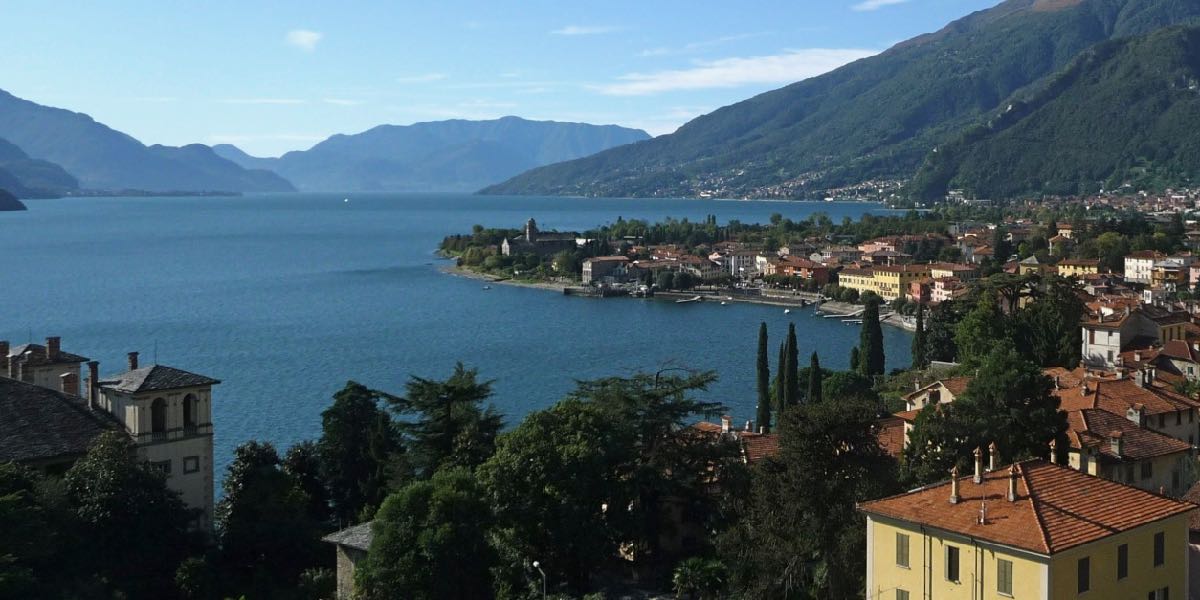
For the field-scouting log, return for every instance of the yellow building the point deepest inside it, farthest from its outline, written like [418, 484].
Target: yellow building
[862, 280]
[892, 281]
[1078, 267]
[1031, 531]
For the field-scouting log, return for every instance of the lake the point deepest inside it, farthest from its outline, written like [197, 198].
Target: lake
[286, 297]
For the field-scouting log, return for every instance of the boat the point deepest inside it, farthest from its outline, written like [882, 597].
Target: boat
[723, 303]
[487, 287]
[787, 311]
[686, 300]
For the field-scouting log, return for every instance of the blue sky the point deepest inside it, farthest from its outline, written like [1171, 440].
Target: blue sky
[278, 76]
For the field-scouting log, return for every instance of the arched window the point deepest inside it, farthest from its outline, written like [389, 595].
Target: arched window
[189, 412]
[158, 416]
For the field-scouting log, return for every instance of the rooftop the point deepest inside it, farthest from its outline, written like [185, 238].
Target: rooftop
[1056, 508]
[155, 377]
[37, 355]
[1092, 428]
[358, 537]
[38, 423]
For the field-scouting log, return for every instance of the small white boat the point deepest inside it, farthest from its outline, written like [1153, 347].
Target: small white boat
[686, 300]
[723, 303]
[487, 287]
[787, 311]
[345, 199]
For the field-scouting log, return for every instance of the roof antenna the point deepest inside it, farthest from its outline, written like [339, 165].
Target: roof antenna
[156, 351]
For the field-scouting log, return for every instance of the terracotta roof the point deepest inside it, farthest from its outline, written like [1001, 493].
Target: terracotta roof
[908, 415]
[38, 423]
[1118, 395]
[889, 431]
[1180, 350]
[155, 377]
[757, 446]
[608, 259]
[1056, 508]
[902, 268]
[1092, 428]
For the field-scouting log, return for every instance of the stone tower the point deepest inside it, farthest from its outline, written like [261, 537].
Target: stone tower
[531, 230]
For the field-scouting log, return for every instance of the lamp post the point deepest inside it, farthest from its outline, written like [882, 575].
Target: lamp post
[538, 566]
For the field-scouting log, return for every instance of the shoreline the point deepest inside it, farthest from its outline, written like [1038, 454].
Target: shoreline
[831, 307]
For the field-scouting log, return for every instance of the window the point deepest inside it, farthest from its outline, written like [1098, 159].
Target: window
[951, 563]
[1122, 561]
[158, 415]
[163, 466]
[1129, 473]
[1175, 480]
[1179, 417]
[1147, 469]
[1004, 583]
[191, 464]
[902, 550]
[1162, 420]
[1160, 548]
[1085, 574]
[901, 594]
[1160, 594]
[189, 411]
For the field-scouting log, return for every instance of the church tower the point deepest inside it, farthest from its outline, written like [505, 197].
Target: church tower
[531, 231]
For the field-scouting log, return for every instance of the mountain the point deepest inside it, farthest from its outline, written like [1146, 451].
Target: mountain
[455, 155]
[874, 119]
[103, 158]
[1120, 113]
[31, 178]
[9, 202]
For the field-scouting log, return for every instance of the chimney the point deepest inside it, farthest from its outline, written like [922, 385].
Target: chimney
[1012, 483]
[133, 363]
[69, 383]
[978, 465]
[1053, 452]
[726, 420]
[1116, 443]
[14, 367]
[954, 497]
[983, 512]
[1057, 385]
[93, 384]
[1137, 356]
[993, 456]
[1136, 413]
[4, 352]
[749, 428]
[1083, 389]
[1150, 373]
[53, 345]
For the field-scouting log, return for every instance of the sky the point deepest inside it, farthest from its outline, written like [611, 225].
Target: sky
[277, 76]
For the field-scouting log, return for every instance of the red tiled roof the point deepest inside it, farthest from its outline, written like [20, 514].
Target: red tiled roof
[889, 431]
[1092, 427]
[1118, 395]
[758, 446]
[1056, 508]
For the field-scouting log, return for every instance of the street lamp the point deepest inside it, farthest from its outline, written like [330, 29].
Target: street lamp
[538, 566]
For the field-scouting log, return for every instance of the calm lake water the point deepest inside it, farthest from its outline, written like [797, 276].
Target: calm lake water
[286, 297]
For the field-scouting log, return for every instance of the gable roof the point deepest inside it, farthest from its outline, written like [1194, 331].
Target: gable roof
[155, 377]
[1092, 428]
[38, 423]
[1118, 395]
[1056, 508]
[358, 537]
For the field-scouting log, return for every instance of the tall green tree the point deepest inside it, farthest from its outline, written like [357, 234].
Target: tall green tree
[357, 441]
[303, 463]
[801, 536]
[920, 354]
[981, 329]
[940, 328]
[1051, 323]
[133, 529]
[815, 378]
[791, 377]
[778, 391]
[445, 422]
[856, 359]
[266, 535]
[431, 542]
[763, 416]
[871, 355]
[33, 538]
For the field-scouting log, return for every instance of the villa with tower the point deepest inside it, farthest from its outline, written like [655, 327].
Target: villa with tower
[50, 416]
[541, 243]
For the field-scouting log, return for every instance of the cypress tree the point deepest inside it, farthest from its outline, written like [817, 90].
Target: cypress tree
[792, 377]
[814, 379]
[919, 350]
[779, 383]
[855, 359]
[764, 380]
[871, 358]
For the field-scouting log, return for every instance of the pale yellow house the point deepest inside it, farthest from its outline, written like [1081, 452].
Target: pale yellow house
[862, 280]
[892, 281]
[1078, 267]
[1031, 531]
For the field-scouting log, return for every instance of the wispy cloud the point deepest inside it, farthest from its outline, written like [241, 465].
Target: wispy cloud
[422, 78]
[304, 39]
[585, 30]
[279, 101]
[342, 102]
[870, 5]
[788, 67]
[695, 46]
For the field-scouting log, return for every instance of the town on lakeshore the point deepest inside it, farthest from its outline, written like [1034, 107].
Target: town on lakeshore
[836, 300]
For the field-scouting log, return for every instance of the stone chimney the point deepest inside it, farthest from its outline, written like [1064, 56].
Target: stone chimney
[726, 420]
[1053, 452]
[93, 384]
[53, 348]
[133, 361]
[1012, 483]
[978, 465]
[954, 497]
[1116, 443]
[993, 456]
[69, 383]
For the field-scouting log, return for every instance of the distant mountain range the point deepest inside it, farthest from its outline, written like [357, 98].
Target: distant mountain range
[105, 159]
[30, 178]
[881, 118]
[455, 155]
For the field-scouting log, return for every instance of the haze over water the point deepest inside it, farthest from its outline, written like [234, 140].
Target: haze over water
[285, 297]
